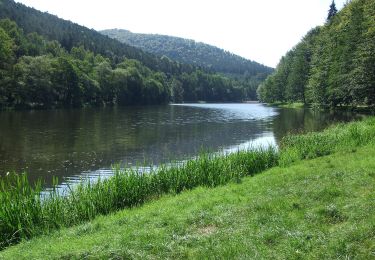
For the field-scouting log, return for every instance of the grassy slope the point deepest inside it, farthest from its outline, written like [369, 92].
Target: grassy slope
[321, 208]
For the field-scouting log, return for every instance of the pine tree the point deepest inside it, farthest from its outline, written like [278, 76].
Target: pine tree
[332, 11]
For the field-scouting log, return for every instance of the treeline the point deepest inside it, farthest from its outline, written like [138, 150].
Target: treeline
[49, 62]
[36, 72]
[211, 58]
[334, 65]
[70, 35]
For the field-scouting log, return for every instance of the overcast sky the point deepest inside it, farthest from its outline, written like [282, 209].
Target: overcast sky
[260, 30]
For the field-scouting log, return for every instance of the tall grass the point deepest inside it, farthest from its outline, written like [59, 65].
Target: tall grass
[340, 137]
[25, 213]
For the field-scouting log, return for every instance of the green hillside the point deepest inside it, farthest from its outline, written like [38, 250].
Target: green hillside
[49, 62]
[70, 34]
[334, 64]
[208, 57]
[191, 52]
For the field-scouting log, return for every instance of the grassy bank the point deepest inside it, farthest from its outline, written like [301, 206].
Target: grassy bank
[315, 209]
[24, 215]
[288, 105]
[359, 108]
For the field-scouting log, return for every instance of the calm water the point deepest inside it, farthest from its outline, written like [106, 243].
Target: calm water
[86, 142]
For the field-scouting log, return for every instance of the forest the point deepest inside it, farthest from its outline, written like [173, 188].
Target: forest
[49, 62]
[333, 65]
[196, 53]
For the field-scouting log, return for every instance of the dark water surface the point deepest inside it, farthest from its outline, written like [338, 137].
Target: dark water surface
[73, 143]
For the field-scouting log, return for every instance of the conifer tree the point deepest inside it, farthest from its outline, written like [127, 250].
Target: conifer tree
[332, 11]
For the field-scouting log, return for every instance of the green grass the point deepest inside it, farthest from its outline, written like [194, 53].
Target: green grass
[288, 105]
[316, 209]
[340, 137]
[24, 216]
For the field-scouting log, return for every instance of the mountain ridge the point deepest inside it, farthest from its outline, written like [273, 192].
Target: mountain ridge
[189, 51]
[52, 62]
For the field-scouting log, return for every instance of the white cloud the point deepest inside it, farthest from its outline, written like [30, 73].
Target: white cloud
[261, 30]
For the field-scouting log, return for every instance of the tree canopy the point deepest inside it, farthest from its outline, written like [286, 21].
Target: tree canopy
[334, 65]
[191, 52]
[208, 57]
[49, 62]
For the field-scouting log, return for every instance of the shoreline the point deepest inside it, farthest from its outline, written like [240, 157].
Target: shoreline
[325, 159]
[129, 188]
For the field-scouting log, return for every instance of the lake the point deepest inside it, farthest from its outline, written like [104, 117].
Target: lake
[73, 143]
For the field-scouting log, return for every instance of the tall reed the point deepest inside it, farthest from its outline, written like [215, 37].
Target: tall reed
[338, 137]
[25, 213]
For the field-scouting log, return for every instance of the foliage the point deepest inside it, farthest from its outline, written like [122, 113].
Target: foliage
[48, 62]
[314, 209]
[332, 66]
[24, 213]
[332, 11]
[209, 57]
[190, 52]
[341, 137]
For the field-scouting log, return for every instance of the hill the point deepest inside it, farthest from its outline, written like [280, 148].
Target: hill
[334, 64]
[191, 52]
[70, 34]
[248, 73]
[49, 62]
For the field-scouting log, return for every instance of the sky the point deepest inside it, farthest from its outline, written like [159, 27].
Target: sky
[260, 30]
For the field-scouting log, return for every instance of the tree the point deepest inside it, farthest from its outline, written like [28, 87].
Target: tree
[33, 82]
[6, 57]
[103, 75]
[177, 91]
[66, 81]
[6, 48]
[332, 11]
[333, 66]
[119, 85]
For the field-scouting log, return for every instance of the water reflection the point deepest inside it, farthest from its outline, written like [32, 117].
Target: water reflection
[70, 143]
[292, 121]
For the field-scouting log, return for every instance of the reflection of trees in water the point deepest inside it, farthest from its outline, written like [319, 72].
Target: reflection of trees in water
[307, 120]
[67, 142]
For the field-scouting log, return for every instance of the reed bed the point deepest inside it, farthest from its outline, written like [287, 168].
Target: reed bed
[26, 213]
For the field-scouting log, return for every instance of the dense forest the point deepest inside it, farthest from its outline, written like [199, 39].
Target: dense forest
[49, 62]
[199, 54]
[191, 52]
[333, 65]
